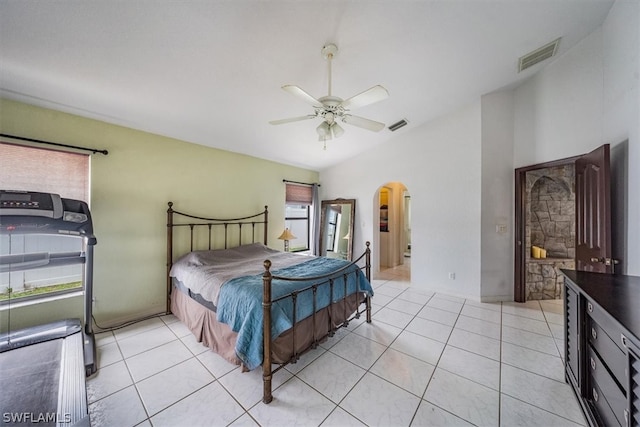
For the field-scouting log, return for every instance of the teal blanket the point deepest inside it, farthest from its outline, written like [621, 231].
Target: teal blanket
[240, 302]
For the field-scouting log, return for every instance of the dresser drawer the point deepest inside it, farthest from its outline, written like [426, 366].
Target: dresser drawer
[604, 411]
[610, 326]
[608, 389]
[608, 350]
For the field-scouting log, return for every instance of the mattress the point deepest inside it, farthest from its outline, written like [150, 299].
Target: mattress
[229, 284]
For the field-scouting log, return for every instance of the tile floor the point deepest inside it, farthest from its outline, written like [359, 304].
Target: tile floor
[426, 360]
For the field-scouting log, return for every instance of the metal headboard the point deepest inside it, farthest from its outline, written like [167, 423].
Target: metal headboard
[181, 219]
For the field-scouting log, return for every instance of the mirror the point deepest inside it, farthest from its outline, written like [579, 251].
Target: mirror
[336, 228]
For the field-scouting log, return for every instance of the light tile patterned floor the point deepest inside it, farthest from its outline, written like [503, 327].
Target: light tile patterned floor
[426, 360]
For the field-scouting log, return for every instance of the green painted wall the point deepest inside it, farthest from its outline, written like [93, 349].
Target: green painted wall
[130, 189]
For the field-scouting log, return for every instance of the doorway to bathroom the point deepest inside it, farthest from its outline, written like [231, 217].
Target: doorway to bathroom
[562, 220]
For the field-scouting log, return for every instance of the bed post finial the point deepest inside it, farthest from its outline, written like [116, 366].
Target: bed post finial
[266, 224]
[368, 260]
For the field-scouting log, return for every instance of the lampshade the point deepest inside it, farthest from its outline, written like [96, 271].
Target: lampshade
[336, 130]
[286, 235]
[324, 132]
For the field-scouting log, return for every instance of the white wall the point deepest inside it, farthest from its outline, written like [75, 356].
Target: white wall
[559, 111]
[459, 168]
[497, 196]
[621, 124]
[440, 165]
[587, 98]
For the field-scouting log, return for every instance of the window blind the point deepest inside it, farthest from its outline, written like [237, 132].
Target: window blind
[301, 194]
[48, 171]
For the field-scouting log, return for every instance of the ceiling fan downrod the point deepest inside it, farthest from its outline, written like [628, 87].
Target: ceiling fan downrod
[328, 52]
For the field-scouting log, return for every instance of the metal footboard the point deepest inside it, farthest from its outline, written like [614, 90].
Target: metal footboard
[318, 281]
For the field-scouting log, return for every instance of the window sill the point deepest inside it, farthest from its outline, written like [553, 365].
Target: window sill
[45, 299]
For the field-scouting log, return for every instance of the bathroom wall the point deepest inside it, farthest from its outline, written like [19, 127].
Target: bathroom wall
[551, 210]
[550, 225]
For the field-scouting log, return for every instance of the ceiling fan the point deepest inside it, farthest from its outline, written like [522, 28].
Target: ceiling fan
[332, 108]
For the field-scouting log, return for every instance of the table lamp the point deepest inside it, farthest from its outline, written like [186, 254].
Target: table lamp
[286, 236]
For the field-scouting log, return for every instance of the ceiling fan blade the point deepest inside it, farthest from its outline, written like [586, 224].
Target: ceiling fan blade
[301, 94]
[363, 123]
[369, 96]
[292, 119]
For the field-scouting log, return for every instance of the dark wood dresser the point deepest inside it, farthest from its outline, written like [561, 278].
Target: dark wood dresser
[602, 349]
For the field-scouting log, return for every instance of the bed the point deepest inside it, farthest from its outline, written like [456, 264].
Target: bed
[251, 304]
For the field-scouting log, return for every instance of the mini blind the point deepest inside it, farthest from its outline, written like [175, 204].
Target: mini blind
[301, 194]
[49, 171]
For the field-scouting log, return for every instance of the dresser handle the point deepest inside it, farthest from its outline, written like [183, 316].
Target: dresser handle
[624, 340]
[593, 363]
[595, 395]
[590, 307]
[594, 334]
[626, 416]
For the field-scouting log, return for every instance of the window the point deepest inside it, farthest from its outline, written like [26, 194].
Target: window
[36, 169]
[297, 216]
[297, 220]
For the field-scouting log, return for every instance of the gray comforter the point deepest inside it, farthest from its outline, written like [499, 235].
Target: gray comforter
[204, 272]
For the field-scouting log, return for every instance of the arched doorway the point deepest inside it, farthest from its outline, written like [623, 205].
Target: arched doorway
[392, 207]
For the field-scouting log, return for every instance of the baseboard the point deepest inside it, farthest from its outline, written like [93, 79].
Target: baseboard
[497, 298]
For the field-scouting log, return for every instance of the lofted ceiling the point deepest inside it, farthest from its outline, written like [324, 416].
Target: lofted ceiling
[210, 72]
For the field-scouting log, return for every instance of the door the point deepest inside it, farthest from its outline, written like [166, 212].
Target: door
[593, 212]
[521, 248]
[593, 215]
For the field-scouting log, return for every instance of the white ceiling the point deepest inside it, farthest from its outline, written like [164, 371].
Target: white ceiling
[210, 72]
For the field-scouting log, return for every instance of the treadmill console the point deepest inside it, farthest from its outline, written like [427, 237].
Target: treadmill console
[43, 213]
[29, 203]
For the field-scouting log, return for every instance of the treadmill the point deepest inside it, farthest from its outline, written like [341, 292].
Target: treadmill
[43, 368]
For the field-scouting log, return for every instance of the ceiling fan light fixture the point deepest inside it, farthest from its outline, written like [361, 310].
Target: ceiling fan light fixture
[324, 131]
[336, 130]
[330, 118]
[332, 108]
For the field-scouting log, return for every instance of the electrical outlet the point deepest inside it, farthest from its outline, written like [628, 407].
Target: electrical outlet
[452, 276]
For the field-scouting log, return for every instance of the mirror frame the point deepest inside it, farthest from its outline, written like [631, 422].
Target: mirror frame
[323, 223]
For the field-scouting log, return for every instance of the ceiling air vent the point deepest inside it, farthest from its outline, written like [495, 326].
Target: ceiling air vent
[394, 127]
[538, 55]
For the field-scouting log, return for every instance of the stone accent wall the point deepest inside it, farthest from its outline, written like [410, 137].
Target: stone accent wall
[544, 279]
[550, 196]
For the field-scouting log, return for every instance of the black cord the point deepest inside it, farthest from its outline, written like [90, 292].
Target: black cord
[122, 325]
